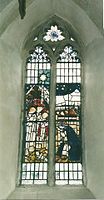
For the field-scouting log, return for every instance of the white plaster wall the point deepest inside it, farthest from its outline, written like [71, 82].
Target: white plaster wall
[10, 103]
[94, 116]
[94, 9]
[40, 10]
[11, 47]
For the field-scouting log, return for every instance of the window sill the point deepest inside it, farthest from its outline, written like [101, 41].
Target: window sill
[42, 192]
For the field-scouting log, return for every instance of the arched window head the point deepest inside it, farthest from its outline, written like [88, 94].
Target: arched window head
[52, 116]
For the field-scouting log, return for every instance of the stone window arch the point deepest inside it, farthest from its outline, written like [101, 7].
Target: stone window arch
[52, 149]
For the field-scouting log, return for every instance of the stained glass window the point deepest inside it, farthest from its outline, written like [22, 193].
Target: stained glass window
[54, 34]
[51, 120]
[35, 152]
[68, 169]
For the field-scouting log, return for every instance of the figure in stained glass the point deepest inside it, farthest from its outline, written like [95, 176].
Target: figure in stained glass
[69, 137]
[37, 125]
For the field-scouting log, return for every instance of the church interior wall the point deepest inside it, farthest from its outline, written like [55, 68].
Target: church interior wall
[12, 51]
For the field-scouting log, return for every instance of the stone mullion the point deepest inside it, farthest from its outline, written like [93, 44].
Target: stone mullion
[51, 155]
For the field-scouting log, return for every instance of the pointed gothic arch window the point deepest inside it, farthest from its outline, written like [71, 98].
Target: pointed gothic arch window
[51, 149]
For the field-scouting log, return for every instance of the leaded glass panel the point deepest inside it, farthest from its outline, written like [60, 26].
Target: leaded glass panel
[35, 149]
[68, 117]
[53, 34]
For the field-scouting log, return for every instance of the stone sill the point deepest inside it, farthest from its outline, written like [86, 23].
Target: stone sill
[40, 192]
